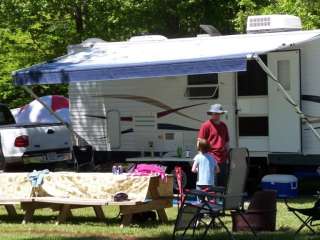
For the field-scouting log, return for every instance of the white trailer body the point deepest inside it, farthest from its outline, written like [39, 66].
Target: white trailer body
[126, 116]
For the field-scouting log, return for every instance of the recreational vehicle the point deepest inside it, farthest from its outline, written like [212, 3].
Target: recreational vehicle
[162, 88]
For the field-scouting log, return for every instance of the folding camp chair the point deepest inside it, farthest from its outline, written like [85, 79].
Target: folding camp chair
[226, 199]
[312, 215]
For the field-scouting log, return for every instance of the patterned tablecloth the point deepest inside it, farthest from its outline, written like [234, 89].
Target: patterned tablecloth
[15, 185]
[80, 185]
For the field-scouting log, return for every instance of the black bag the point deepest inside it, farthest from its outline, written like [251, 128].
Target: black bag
[120, 197]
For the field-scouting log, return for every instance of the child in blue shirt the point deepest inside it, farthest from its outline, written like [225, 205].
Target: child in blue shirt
[205, 165]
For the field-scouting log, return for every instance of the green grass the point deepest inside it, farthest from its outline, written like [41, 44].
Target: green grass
[85, 226]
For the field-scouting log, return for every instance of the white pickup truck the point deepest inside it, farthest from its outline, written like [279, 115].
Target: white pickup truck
[31, 143]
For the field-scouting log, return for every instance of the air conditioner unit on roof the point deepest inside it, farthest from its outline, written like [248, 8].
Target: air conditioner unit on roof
[273, 23]
[144, 38]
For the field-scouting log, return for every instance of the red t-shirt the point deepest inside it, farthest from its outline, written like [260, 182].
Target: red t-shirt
[217, 135]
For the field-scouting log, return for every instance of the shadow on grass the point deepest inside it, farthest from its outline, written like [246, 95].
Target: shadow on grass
[78, 220]
[283, 235]
[213, 234]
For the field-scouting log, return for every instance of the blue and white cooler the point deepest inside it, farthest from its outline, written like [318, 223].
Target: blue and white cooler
[285, 185]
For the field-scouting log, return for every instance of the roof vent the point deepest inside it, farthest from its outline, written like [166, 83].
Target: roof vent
[273, 23]
[147, 38]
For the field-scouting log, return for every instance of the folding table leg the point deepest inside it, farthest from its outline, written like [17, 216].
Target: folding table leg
[63, 213]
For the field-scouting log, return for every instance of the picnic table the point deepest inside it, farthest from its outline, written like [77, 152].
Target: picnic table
[64, 191]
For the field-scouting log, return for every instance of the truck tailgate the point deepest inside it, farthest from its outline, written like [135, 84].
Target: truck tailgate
[42, 137]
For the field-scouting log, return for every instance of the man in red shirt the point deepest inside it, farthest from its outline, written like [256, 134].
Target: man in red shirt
[216, 133]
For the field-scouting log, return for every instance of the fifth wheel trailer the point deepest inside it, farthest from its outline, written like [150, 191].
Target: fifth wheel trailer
[162, 88]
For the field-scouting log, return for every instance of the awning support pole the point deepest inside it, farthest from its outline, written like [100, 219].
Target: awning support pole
[36, 97]
[285, 93]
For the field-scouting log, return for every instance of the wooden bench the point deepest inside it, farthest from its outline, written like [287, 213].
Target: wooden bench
[62, 205]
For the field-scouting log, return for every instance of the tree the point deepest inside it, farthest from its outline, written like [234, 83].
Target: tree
[33, 31]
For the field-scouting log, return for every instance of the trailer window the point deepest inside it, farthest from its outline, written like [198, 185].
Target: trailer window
[202, 86]
[253, 126]
[284, 73]
[254, 81]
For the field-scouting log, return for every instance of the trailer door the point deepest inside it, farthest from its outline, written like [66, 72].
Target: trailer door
[284, 122]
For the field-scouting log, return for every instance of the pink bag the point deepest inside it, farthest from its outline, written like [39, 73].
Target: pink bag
[149, 169]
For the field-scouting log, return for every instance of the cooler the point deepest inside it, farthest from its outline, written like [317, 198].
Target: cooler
[285, 185]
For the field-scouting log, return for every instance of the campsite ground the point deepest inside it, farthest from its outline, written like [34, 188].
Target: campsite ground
[84, 226]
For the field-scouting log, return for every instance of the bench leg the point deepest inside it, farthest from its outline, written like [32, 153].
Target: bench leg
[69, 214]
[162, 215]
[11, 210]
[28, 215]
[63, 213]
[126, 220]
[99, 212]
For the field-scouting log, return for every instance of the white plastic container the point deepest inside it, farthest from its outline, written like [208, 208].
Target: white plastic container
[285, 185]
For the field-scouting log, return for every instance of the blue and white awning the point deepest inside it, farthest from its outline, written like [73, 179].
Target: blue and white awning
[158, 58]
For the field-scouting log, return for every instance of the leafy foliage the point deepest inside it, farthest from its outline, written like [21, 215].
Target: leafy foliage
[33, 31]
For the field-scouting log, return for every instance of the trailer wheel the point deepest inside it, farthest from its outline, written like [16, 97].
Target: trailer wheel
[175, 182]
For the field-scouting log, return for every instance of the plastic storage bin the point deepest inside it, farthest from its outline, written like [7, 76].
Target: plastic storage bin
[285, 185]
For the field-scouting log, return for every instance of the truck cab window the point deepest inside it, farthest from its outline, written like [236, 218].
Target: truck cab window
[254, 81]
[6, 116]
[202, 86]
